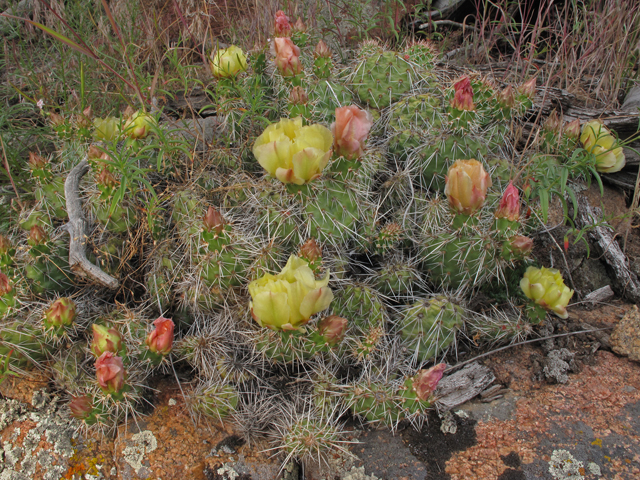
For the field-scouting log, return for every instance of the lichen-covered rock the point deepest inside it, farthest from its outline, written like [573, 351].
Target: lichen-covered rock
[625, 339]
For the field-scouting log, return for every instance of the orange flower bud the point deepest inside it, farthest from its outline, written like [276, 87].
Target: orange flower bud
[310, 250]
[287, 57]
[110, 373]
[350, 130]
[332, 329]
[213, 220]
[161, 339]
[37, 236]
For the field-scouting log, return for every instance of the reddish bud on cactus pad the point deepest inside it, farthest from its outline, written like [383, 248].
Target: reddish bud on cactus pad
[463, 98]
[5, 245]
[298, 96]
[110, 373]
[56, 120]
[105, 340]
[528, 88]
[322, 50]
[507, 97]
[5, 284]
[161, 339]
[36, 161]
[521, 245]
[62, 312]
[572, 129]
[213, 220]
[426, 381]
[106, 178]
[310, 250]
[81, 407]
[509, 204]
[350, 130]
[94, 152]
[283, 26]
[287, 57]
[299, 26]
[333, 328]
[37, 236]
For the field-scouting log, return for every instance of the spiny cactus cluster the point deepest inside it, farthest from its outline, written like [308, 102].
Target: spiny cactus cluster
[316, 263]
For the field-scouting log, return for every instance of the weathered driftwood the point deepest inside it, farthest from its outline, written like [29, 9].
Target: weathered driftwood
[463, 385]
[77, 228]
[603, 294]
[625, 282]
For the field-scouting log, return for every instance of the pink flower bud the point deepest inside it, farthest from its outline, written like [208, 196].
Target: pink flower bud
[5, 285]
[299, 26]
[350, 130]
[287, 57]
[509, 204]
[322, 50]
[333, 328]
[110, 373]
[426, 381]
[310, 250]
[463, 98]
[61, 313]
[81, 407]
[282, 27]
[572, 129]
[528, 88]
[105, 340]
[298, 96]
[521, 245]
[161, 339]
[37, 236]
[213, 221]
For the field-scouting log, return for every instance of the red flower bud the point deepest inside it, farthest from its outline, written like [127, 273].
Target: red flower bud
[62, 312]
[110, 373]
[310, 250]
[463, 97]
[426, 381]
[105, 340]
[37, 236]
[5, 285]
[509, 204]
[213, 220]
[282, 27]
[333, 328]
[161, 339]
[566, 244]
[81, 407]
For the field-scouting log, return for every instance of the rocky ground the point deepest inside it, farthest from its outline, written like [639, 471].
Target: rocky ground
[569, 409]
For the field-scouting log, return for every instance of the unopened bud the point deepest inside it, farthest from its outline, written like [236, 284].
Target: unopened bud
[94, 152]
[521, 245]
[332, 329]
[5, 285]
[36, 162]
[553, 123]
[507, 97]
[282, 26]
[37, 236]
[106, 178]
[463, 97]
[105, 340]
[322, 50]
[299, 26]
[160, 339]
[298, 96]
[310, 250]
[81, 407]
[426, 381]
[5, 245]
[528, 88]
[56, 120]
[509, 207]
[61, 313]
[213, 221]
[572, 129]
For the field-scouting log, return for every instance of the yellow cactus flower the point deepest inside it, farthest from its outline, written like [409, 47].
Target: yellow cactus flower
[293, 153]
[467, 184]
[597, 139]
[228, 62]
[139, 125]
[546, 287]
[106, 129]
[287, 300]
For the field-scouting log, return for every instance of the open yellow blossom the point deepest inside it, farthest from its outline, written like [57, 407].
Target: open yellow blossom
[597, 139]
[546, 287]
[287, 300]
[293, 153]
[228, 62]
